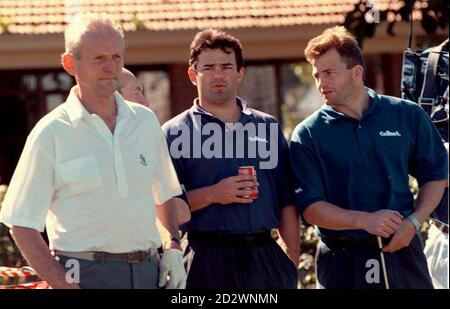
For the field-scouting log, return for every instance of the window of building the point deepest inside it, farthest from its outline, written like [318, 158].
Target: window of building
[156, 87]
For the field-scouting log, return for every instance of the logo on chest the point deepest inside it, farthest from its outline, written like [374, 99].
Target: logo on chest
[257, 139]
[388, 133]
[142, 160]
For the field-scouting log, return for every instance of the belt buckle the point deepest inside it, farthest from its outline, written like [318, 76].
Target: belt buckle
[134, 257]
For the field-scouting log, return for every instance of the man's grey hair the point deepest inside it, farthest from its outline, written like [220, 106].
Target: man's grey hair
[80, 24]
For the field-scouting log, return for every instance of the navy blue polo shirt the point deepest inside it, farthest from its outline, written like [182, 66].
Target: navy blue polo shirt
[204, 151]
[364, 164]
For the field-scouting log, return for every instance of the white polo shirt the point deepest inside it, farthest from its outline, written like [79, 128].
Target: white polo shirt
[94, 191]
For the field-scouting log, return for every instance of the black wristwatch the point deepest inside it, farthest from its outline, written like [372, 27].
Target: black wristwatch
[175, 239]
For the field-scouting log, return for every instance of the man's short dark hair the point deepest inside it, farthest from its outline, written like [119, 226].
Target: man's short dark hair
[212, 39]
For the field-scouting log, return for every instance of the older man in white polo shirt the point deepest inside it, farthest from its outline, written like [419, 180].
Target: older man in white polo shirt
[92, 171]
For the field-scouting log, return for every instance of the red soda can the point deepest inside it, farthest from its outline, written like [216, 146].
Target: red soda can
[249, 170]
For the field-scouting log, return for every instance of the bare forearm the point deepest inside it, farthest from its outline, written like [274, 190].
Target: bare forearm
[167, 216]
[289, 231]
[182, 210]
[38, 255]
[429, 197]
[329, 216]
[200, 198]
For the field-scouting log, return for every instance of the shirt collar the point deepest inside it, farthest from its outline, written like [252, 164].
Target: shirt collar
[243, 105]
[374, 101]
[198, 110]
[123, 108]
[76, 110]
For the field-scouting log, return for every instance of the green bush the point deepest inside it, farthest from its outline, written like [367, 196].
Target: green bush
[306, 267]
[9, 254]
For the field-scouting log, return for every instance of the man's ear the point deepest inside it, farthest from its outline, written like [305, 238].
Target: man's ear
[240, 75]
[192, 76]
[358, 72]
[68, 63]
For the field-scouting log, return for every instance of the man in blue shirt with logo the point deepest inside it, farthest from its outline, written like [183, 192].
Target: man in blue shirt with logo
[229, 234]
[351, 161]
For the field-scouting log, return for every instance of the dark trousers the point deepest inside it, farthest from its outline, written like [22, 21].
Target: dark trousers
[219, 266]
[349, 265]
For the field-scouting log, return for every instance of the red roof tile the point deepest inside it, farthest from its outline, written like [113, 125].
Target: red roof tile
[49, 16]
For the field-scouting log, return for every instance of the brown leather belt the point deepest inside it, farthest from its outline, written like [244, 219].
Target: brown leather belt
[130, 257]
[442, 226]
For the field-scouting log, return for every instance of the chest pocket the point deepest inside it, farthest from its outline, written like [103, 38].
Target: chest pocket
[80, 175]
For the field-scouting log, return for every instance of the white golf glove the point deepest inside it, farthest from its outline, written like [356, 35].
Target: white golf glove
[171, 265]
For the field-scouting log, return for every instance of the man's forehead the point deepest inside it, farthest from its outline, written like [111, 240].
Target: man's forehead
[330, 58]
[327, 63]
[216, 56]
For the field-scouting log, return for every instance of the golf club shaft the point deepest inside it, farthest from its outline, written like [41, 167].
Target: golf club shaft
[383, 263]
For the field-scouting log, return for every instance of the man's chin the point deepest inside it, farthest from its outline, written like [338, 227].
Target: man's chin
[107, 89]
[220, 97]
[106, 92]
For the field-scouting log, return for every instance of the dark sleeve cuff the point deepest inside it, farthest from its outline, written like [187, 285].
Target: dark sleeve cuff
[302, 206]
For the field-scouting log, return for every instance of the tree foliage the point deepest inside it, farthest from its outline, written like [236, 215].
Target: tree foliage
[364, 18]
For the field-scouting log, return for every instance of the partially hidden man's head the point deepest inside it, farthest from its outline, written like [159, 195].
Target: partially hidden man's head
[213, 39]
[131, 89]
[337, 62]
[94, 50]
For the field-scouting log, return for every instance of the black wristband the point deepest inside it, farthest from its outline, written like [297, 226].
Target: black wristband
[175, 239]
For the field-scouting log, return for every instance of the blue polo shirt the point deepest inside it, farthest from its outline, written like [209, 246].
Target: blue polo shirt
[364, 164]
[204, 151]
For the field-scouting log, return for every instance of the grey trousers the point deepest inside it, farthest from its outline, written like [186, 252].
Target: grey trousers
[112, 275]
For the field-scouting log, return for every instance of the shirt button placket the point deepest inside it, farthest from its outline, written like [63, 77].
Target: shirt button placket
[120, 172]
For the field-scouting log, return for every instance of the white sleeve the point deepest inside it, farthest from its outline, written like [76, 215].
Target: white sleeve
[165, 182]
[31, 189]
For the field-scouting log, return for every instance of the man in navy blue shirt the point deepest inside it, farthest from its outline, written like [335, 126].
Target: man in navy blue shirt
[351, 160]
[229, 235]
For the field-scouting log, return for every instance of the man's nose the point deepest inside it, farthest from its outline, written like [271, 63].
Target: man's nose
[109, 65]
[218, 72]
